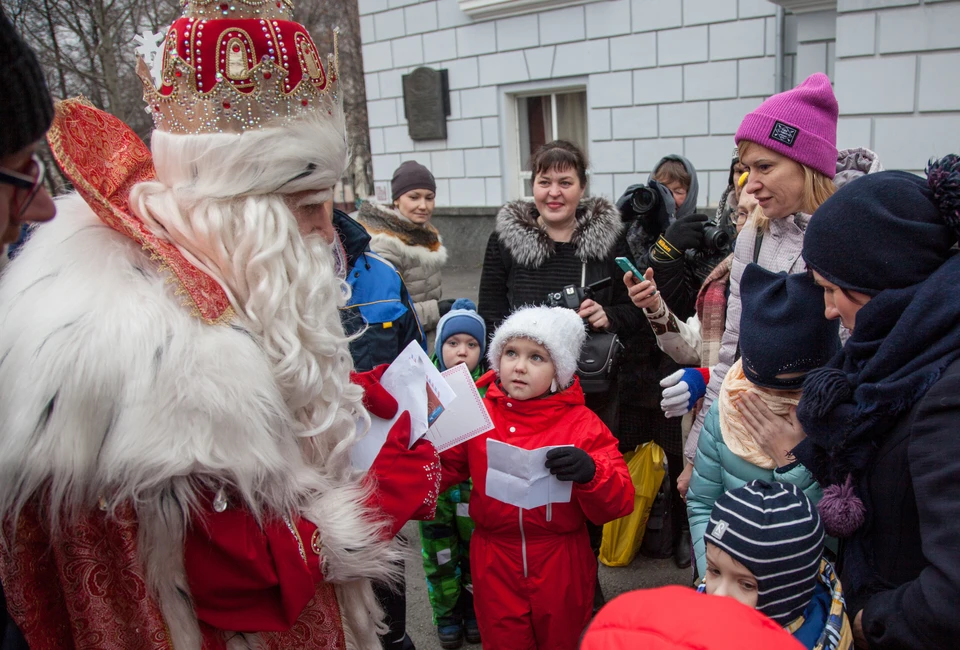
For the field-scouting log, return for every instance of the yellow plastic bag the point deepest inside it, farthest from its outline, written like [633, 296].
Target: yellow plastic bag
[622, 537]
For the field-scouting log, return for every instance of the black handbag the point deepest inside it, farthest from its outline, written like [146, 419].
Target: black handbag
[599, 358]
[598, 362]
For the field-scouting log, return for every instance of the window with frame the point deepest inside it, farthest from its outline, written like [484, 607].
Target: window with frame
[544, 118]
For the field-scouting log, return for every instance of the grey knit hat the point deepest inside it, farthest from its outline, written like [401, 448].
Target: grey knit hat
[26, 109]
[411, 175]
[773, 530]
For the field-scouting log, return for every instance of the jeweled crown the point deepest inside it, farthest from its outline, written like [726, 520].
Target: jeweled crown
[234, 66]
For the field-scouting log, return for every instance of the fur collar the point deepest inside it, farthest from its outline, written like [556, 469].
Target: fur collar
[380, 219]
[598, 227]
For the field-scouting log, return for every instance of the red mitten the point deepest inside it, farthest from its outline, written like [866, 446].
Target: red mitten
[375, 397]
[407, 480]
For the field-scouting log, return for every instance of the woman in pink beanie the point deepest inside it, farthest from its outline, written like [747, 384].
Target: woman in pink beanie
[789, 147]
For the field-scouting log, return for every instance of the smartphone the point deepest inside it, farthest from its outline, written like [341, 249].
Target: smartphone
[627, 267]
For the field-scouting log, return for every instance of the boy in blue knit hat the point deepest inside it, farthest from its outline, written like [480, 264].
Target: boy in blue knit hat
[765, 549]
[445, 541]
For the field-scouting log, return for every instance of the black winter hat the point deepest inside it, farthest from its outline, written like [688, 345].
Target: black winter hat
[26, 109]
[782, 327]
[882, 231]
[411, 175]
[775, 531]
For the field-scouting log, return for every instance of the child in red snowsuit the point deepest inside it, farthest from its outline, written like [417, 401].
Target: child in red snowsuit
[533, 570]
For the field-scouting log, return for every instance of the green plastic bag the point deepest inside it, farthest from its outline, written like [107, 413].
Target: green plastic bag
[622, 537]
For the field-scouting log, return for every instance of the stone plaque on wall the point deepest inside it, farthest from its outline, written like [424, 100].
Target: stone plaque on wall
[426, 103]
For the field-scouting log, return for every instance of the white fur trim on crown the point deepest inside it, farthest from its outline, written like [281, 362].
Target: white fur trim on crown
[558, 329]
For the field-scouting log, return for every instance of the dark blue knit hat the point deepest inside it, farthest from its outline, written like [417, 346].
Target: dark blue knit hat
[773, 530]
[883, 231]
[461, 319]
[25, 103]
[783, 329]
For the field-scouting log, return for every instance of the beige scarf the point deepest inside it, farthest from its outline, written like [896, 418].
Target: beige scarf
[735, 435]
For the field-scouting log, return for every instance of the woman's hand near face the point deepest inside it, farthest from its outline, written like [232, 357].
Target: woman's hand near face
[859, 638]
[776, 435]
[643, 293]
[593, 313]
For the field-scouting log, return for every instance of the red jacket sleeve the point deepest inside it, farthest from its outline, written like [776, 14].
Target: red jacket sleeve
[609, 495]
[456, 466]
[250, 577]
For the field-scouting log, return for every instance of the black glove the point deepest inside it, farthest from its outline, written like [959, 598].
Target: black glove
[686, 232]
[444, 306]
[571, 464]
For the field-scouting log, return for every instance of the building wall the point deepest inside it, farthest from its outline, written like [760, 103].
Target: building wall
[661, 76]
[898, 78]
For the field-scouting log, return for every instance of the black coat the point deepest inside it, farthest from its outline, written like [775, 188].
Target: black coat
[902, 567]
[521, 265]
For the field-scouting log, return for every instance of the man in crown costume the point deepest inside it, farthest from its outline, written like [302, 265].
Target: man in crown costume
[177, 410]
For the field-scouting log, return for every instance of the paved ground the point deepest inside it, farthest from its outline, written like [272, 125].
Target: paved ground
[642, 573]
[463, 282]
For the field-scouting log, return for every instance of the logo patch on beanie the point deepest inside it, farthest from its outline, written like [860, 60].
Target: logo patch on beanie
[720, 529]
[784, 133]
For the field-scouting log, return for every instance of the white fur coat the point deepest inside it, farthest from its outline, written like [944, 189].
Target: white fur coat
[110, 388]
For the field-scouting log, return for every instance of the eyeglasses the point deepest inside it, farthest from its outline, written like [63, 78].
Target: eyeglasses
[29, 182]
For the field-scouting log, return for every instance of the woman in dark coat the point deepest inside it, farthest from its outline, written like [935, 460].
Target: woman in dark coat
[560, 239]
[882, 419]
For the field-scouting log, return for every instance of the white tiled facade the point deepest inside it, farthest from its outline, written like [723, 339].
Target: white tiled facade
[661, 76]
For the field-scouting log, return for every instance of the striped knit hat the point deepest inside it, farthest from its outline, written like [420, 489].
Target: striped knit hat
[774, 531]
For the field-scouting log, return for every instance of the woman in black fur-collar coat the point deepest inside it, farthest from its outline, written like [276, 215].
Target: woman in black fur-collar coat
[559, 239]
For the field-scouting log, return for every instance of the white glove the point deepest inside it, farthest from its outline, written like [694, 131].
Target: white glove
[681, 390]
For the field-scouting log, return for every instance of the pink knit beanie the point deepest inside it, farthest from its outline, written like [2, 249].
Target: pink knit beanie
[800, 124]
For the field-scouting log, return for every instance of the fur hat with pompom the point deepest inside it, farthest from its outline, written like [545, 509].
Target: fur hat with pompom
[558, 329]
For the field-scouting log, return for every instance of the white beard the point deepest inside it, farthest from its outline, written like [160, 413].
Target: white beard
[109, 387]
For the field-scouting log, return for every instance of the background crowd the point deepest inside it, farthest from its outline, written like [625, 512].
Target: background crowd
[795, 355]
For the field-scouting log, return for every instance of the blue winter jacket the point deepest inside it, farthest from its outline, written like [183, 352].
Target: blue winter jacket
[379, 301]
[716, 470]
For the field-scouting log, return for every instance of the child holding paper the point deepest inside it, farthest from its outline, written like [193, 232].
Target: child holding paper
[445, 541]
[533, 570]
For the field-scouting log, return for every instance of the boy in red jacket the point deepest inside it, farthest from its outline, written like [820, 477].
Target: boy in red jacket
[533, 571]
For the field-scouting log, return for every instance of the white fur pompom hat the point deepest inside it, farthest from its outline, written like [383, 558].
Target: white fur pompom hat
[558, 329]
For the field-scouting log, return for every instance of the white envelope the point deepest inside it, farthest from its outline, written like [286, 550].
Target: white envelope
[519, 477]
[406, 380]
[464, 418]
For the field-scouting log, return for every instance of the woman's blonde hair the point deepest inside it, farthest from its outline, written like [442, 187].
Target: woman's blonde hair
[817, 188]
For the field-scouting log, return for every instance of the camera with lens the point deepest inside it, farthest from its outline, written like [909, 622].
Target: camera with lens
[715, 238]
[571, 296]
[652, 203]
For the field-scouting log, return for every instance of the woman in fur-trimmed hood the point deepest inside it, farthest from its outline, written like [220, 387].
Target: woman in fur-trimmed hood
[404, 236]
